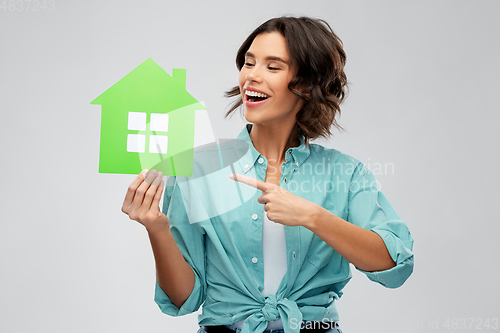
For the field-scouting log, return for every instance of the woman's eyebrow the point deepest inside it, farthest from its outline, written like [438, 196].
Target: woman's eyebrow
[273, 58]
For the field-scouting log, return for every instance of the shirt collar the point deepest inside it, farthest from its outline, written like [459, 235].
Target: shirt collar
[298, 154]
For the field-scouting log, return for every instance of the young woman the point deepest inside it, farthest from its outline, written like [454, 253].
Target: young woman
[277, 261]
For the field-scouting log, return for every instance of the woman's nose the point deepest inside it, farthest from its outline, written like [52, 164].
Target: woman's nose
[254, 75]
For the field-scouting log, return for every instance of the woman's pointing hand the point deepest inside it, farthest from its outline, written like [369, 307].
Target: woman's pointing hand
[281, 205]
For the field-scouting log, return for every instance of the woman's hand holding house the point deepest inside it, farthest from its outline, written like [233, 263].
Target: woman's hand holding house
[142, 200]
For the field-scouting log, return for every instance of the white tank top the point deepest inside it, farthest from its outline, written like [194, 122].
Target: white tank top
[274, 252]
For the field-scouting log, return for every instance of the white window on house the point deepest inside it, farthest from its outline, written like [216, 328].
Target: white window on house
[137, 121]
[136, 143]
[159, 122]
[158, 143]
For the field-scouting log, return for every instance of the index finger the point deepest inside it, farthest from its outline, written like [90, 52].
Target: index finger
[258, 184]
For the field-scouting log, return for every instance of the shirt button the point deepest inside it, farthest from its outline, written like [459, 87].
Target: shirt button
[293, 255]
[255, 216]
[246, 166]
[297, 163]
[254, 260]
[260, 160]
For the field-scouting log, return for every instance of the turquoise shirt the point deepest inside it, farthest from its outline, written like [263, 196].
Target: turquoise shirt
[217, 224]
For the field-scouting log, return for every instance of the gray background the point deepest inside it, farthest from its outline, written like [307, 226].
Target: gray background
[424, 98]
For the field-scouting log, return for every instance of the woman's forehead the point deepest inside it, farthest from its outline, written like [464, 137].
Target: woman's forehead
[270, 45]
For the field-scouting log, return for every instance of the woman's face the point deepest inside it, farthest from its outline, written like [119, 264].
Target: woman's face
[264, 82]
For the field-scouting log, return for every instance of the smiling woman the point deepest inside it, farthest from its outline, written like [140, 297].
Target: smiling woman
[313, 58]
[264, 81]
[301, 228]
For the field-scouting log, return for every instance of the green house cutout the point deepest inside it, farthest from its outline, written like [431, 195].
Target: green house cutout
[148, 122]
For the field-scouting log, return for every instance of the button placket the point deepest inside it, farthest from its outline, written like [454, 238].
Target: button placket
[286, 171]
[255, 240]
[293, 166]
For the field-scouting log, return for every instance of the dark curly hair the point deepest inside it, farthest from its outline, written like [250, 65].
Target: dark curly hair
[319, 56]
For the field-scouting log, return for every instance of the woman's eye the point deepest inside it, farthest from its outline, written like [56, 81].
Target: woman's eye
[248, 64]
[274, 68]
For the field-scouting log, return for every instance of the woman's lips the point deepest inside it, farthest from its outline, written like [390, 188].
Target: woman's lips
[256, 103]
[254, 97]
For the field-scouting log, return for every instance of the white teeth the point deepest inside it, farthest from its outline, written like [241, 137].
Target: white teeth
[255, 94]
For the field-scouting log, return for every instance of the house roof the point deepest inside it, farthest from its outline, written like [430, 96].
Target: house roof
[149, 87]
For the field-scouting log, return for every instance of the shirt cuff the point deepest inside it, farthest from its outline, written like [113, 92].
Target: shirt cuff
[192, 304]
[402, 256]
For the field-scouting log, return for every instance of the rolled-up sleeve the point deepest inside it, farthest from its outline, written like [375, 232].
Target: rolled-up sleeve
[191, 242]
[369, 209]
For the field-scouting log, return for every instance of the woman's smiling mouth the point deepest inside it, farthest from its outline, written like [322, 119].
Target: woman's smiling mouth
[255, 98]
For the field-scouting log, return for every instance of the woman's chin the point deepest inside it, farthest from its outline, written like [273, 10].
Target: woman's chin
[250, 116]
[259, 118]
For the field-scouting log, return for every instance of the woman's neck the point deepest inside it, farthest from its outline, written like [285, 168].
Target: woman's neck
[274, 141]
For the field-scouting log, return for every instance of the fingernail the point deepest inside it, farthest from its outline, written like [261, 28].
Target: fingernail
[144, 172]
[231, 176]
